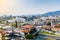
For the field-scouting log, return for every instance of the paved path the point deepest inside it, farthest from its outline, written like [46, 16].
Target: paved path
[0, 36]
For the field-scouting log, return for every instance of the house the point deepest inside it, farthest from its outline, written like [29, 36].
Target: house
[18, 19]
[52, 19]
[26, 28]
[56, 28]
[47, 27]
[2, 31]
[39, 22]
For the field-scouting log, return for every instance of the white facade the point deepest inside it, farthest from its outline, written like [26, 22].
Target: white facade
[51, 19]
[18, 19]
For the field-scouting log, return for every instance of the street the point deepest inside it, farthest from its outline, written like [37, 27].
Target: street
[41, 37]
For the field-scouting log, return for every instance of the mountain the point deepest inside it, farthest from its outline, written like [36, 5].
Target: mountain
[55, 13]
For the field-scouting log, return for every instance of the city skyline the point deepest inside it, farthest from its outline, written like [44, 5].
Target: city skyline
[20, 7]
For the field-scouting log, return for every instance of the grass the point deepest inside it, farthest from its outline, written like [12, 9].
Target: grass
[47, 33]
[50, 34]
[48, 39]
[1, 28]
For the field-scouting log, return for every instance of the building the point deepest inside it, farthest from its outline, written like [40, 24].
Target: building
[47, 27]
[26, 28]
[56, 28]
[44, 20]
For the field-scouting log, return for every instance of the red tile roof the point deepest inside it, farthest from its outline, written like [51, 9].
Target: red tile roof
[2, 31]
[57, 29]
[28, 26]
[47, 27]
[25, 31]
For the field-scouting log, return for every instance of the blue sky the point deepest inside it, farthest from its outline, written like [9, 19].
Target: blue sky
[24, 7]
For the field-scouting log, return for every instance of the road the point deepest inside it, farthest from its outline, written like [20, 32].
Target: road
[41, 37]
[54, 37]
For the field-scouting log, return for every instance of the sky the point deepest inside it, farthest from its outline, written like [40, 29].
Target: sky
[24, 7]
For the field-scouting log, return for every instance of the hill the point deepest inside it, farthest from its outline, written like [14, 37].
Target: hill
[55, 13]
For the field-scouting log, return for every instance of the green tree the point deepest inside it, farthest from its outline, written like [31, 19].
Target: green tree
[1, 21]
[49, 23]
[29, 36]
[13, 24]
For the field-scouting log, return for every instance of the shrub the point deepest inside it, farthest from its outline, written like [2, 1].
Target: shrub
[49, 23]
[29, 36]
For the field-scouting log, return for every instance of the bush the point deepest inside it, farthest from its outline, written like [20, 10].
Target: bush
[49, 23]
[13, 24]
[1, 28]
[29, 36]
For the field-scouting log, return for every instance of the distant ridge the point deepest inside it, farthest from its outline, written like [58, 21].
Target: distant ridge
[55, 13]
